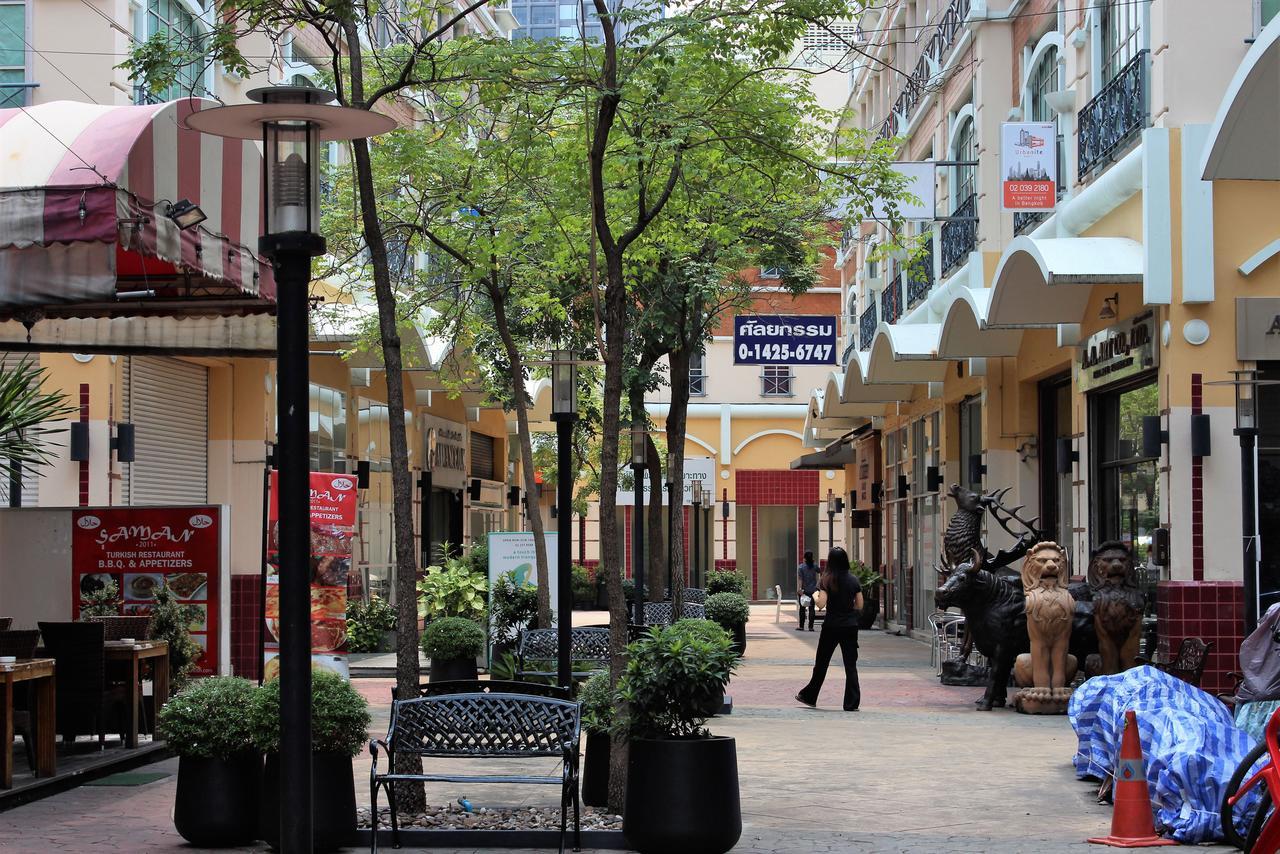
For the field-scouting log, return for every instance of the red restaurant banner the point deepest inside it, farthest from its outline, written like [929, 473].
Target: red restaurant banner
[143, 549]
[333, 520]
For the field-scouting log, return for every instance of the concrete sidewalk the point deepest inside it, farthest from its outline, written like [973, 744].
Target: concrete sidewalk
[916, 770]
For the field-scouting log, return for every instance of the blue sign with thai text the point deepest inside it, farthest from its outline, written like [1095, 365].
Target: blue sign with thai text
[777, 339]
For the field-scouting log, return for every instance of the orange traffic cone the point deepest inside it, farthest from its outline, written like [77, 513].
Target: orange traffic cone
[1131, 823]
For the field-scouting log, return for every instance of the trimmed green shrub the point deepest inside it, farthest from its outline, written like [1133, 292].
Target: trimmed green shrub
[170, 619]
[584, 592]
[728, 609]
[868, 578]
[453, 589]
[453, 637]
[672, 676]
[512, 606]
[339, 716]
[367, 622]
[726, 581]
[598, 701]
[207, 718]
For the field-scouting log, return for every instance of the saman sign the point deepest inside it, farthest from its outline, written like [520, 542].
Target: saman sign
[776, 339]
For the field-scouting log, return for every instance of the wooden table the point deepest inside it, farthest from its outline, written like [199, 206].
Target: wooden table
[132, 656]
[39, 672]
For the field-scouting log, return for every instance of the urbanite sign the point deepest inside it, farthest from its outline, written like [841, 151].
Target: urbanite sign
[775, 339]
[1118, 352]
[1028, 166]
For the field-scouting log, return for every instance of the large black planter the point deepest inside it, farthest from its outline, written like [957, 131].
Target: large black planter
[595, 770]
[333, 801]
[217, 800]
[740, 639]
[682, 795]
[870, 609]
[450, 669]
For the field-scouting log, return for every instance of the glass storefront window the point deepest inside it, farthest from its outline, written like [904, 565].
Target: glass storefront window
[1128, 484]
[742, 549]
[328, 429]
[970, 440]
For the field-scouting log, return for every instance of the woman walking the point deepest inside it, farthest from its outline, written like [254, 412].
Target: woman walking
[840, 628]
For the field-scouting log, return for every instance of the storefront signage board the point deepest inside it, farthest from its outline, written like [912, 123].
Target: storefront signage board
[695, 469]
[445, 452]
[1028, 166]
[1258, 329]
[333, 520]
[143, 549]
[1117, 352]
[513, 551]
[775, 339]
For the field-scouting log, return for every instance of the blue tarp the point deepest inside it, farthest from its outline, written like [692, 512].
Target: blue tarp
[1191, 745]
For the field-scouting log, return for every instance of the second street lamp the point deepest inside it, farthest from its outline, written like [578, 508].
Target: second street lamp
[290, 122]
[695, 515]
[638, 437]
[672, 508]
[564, 411]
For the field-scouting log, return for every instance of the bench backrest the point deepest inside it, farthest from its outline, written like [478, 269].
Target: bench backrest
[484, 725]
[586, 644]
[660, 613]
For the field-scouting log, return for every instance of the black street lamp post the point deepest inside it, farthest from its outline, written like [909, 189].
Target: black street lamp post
[564, 411]
[673, 505]
[291, 121]
[695, 513]
[638, 456]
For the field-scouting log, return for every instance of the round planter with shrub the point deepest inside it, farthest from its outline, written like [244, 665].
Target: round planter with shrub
[682, 782]
[731, 611]
[871, 582]
[219, 769]
[596, 697]
[339, 730]
[368, 624]
[452, 644]
[726, 581]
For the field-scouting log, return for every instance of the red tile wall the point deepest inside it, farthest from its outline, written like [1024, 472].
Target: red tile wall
[1211, 611]
[770, 486]
[246, 618]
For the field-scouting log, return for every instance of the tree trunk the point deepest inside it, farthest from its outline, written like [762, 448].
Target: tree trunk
[657, 540]
[526, 450]
[410, 797]
[677, 423]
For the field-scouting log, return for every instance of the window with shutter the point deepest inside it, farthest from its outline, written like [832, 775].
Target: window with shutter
[482, 456]
[167, 400]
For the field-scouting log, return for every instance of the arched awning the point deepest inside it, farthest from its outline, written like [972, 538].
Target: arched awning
[855, 389]
[906, 353]
[1242, 141]
[1044, 282]
[965, 334]
[84, 231]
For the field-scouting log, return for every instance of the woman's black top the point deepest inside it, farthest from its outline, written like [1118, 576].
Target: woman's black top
[842, 597]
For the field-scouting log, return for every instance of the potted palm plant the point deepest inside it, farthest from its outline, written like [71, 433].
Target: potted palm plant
[339, 729]
[731, 611]
[682, 781]
[452, 644]
[219, 770]
[596, 697]
[871, 582]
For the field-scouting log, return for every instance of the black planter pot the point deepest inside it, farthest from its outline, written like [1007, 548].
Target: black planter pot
[333, 801]
[740, 639]
[870, 610]
[602, 598]
[217, 801]
[682, 795]
[595, 770]
[449, 669]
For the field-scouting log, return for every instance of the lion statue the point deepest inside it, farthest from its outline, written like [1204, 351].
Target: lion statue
[1117, 605]
[1046, 671]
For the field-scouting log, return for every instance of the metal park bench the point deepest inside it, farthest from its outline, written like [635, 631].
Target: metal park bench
[695, 595]
[480, 726]
[661, 613]
[586, 646]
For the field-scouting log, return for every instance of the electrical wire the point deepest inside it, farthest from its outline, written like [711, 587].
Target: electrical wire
[38, 53]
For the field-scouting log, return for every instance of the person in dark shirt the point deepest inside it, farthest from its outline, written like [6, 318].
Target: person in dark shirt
[840, 628]
[806, 585]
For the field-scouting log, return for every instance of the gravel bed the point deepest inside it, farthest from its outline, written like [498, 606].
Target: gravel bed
[454, 817]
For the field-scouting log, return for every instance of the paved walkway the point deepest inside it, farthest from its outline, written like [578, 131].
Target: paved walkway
[916, 770]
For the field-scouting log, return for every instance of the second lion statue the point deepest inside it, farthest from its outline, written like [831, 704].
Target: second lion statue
[1048, 669]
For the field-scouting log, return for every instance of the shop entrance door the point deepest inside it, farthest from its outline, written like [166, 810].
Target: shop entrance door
[777, 548]
[1268, 487]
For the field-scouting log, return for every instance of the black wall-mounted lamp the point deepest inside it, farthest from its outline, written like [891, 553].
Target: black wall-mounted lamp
[1153, 436]
[473, 490]
[853, 499]
[877, 491]
[839, 505]
[933, 478]
[80, 441]
[903, 486]
[123, 443]
[513, 496]
[1201, 443]
[363, 469]
[554, 512]
[1066, 455]
[724, 503]
[977, 468]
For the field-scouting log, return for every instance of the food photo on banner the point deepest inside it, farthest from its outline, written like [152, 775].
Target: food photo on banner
[1028, 166]
[142, 549]
[333, 520]
[777, 339]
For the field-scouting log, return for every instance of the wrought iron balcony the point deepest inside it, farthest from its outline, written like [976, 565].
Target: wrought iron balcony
[891, 301]
[1114, 116]
[848, 352]
[867, 327]
[932, 58]
[1024, 221]
[920, 277]
[960, 235]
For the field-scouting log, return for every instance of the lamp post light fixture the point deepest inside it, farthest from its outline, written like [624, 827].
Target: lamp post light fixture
[291, 121]
[638, 456]
[564, 411]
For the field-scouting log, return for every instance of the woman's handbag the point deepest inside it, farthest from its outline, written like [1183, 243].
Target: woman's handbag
[805, 601]
[820, 600]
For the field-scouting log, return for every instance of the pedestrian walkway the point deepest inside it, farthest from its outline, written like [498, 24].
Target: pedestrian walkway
[916, 770]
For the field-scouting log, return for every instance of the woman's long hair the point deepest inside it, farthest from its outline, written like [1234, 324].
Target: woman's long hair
[837, 565]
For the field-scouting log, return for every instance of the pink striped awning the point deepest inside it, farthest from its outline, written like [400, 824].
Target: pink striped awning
[84, 193]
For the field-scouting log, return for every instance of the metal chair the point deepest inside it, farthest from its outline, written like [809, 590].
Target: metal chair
[1188, 664]
[948, 630]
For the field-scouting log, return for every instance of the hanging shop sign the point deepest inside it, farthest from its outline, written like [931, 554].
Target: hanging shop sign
[777, 339]
[1028, 166]
[918, 182]
[143, 549]
[445, 452]
[1117, 352]
[695, 469]
[333, 520]
[1258, 329]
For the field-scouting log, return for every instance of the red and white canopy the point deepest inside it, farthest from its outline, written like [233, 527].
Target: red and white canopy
[84, 193]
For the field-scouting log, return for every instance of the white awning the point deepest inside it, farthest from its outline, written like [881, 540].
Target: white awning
[906, 353]
[1242, 141]
[1041, 282]
[965, 334]
[856, 389]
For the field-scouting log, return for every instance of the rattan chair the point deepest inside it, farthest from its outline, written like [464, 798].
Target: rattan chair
[115, 627]
[83, 696]
[5, 623]
[21, 644]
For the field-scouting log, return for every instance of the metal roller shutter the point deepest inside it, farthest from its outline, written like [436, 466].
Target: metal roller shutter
[30, 480]
[482, 450]
[167, 401]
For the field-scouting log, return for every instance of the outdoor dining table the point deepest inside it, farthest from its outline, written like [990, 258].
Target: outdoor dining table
[132, 656]
[39, 672]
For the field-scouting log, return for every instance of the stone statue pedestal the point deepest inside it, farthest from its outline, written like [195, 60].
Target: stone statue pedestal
[1041, 701]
